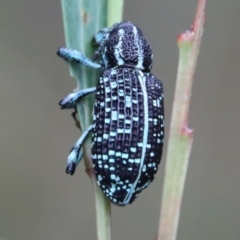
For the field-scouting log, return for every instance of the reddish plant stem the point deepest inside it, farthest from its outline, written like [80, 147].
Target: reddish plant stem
[180, 136]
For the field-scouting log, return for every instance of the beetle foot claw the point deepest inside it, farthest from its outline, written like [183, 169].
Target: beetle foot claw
[71, 168]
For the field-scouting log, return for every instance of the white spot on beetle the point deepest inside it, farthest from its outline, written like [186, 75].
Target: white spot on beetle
[105, 136]
[128, 100]
[133, 149]
[113, 84]
[137, 160]
[113, 176]
[114, 116]
[113, 134]
[120, 130]
[151, 154]
[107, 120]
[111, 152]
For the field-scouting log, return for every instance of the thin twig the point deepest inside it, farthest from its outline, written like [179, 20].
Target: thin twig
[180, 136]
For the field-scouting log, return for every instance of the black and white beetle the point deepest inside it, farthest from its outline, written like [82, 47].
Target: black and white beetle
[128, 116]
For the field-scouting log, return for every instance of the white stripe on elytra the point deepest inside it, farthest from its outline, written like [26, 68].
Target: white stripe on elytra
[118, 48]
[138, 44]
[142, 81]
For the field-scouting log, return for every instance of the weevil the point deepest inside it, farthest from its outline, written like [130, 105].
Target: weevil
[128, 115]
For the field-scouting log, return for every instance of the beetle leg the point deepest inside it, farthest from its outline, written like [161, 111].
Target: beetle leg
[71, 99]
[75, 118]
[76, 154]
[75, 56]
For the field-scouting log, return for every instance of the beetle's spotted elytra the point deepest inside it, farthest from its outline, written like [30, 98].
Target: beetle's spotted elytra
[128, 116]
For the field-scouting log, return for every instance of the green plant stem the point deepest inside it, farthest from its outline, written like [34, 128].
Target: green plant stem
[180, 136]
[82, 19]
[115, 11]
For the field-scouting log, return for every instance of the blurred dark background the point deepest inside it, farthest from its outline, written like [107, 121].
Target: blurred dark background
[39, 201]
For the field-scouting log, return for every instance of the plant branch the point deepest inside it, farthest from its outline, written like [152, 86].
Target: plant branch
[82, 19]
[180, 136]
